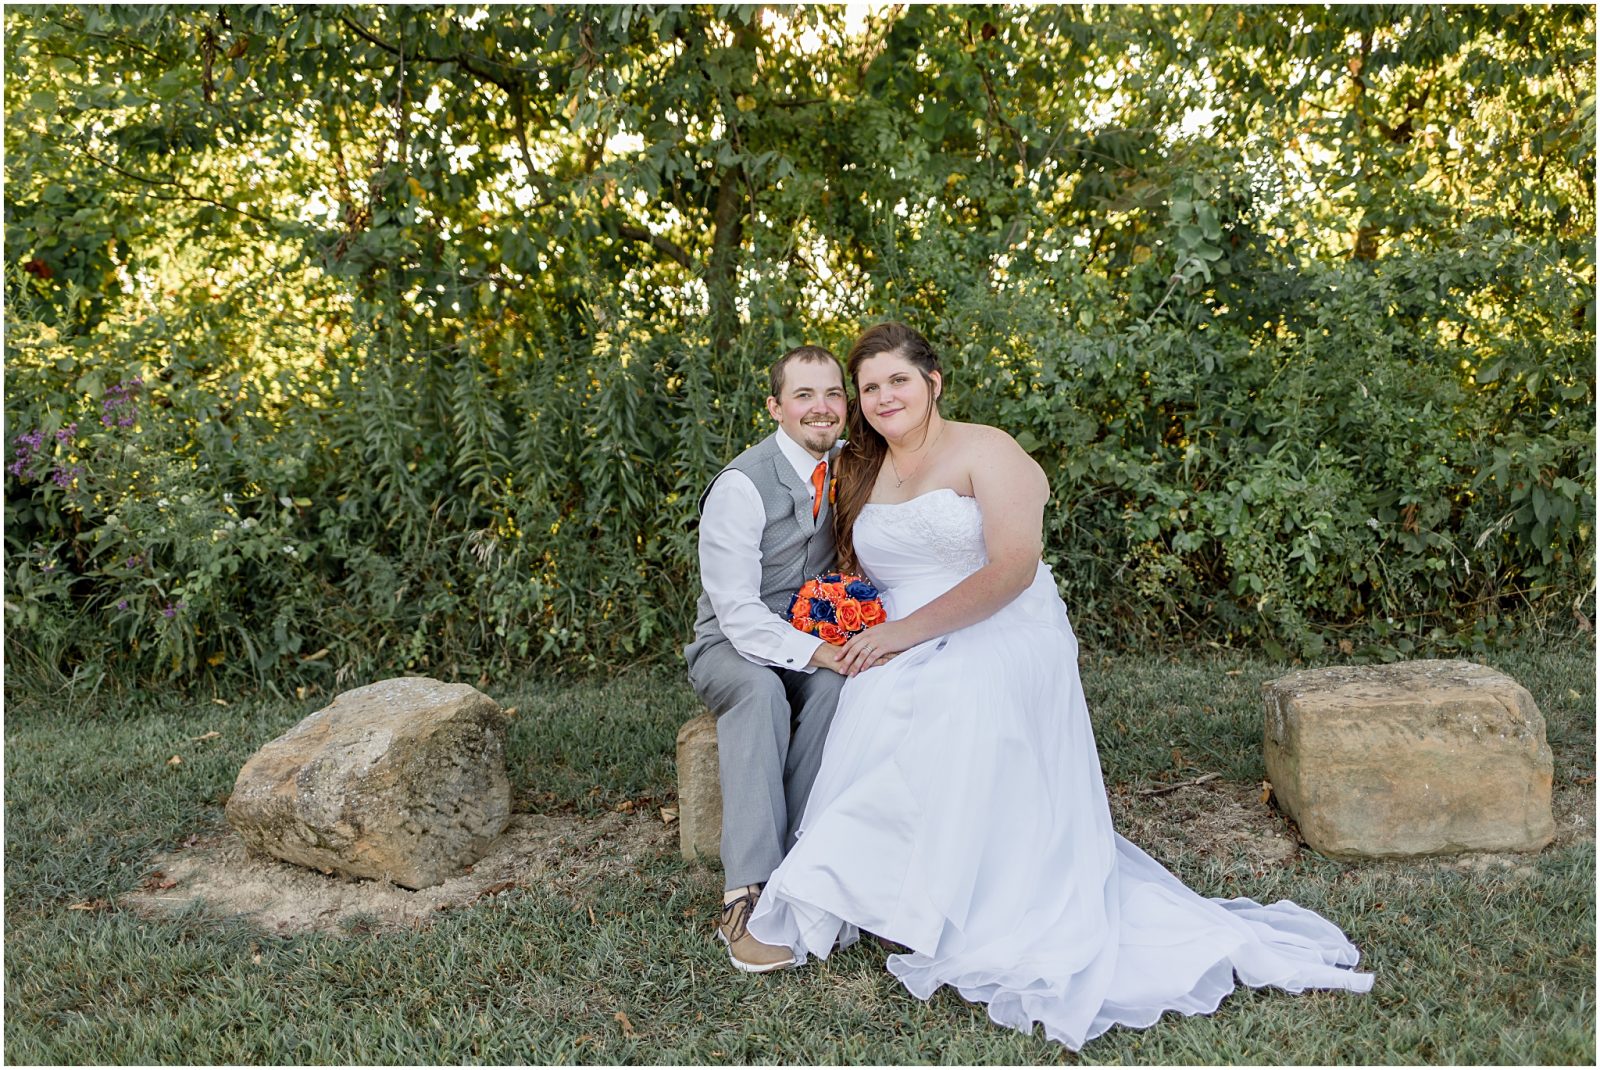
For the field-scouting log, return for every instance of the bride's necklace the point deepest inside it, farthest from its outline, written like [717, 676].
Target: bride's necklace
[900, 480]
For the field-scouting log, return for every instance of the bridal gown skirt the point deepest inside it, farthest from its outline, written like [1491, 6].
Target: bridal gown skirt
[960, 811]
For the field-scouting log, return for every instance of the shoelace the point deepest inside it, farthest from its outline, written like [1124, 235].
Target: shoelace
[737, 922]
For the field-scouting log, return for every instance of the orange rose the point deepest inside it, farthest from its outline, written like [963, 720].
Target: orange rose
[871, 613]
[830, 633]
[834, 592]
[803, 623]
[850, 615]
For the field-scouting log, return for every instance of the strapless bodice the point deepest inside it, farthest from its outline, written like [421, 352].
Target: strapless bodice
[915, 550]
[932, 537]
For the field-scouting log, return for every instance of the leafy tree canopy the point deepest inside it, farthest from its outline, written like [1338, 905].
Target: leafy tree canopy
[458, 307]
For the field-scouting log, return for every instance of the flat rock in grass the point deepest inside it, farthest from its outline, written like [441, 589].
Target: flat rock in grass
[402, 780]
[699, 790]
[1413, 758]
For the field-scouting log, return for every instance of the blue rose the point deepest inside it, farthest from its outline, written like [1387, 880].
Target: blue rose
[822, 611]
[861, 590]
[832, 577]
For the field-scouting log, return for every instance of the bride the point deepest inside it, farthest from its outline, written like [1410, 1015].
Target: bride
[960, 809]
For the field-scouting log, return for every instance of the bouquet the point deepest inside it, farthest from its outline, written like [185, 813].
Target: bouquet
[833, 607]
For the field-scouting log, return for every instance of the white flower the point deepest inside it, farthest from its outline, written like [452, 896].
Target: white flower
[161, 503]
[1372, 522]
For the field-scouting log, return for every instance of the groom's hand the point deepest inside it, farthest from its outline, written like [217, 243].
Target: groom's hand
[826, 656]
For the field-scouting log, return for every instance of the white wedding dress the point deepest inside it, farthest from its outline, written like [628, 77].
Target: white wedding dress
[960, 811]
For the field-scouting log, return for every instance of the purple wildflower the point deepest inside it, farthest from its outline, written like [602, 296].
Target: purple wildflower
[28, 447]
[63, 477]
[135, 561]
[171, 609]
[48, 567]
[119, 405]
[66, 433]
[123, 604]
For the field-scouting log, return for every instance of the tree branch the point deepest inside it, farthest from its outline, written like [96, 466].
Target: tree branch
[875, 48]
[519, 121]
[184, 194]
[509, 86]
[1018, 141]
[657, 242]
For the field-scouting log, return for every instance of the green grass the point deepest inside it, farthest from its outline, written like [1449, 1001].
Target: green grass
[1490, 964]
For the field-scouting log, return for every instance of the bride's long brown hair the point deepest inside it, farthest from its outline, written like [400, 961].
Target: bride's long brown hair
[865, 449]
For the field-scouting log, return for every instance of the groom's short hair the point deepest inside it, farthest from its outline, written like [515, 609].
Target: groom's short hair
[806, 353]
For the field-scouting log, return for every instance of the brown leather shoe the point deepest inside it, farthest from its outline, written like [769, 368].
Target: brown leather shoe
[746, 952]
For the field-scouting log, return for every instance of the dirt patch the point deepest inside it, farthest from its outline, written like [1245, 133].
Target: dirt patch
[1572, 805]
[557, 851]
[1214, 818]
[1230, 820]
[562, 852]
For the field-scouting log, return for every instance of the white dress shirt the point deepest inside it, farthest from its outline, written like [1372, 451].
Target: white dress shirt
[730, 567]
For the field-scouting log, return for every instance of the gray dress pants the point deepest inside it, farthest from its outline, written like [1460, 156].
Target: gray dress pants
[771, 725]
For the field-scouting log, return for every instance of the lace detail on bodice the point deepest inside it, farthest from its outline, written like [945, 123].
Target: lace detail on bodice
[942, 527]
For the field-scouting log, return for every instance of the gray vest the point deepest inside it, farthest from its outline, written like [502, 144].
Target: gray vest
[794, 548]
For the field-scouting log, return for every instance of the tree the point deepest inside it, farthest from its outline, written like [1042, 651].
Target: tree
[463, 304]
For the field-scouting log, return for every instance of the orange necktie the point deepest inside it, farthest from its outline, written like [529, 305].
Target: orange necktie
[819, 477]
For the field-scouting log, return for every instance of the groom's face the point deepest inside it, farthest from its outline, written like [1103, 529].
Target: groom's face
[811, 410]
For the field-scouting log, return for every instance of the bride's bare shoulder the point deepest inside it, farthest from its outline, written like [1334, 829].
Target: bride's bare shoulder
[991, 455]
[990, 441]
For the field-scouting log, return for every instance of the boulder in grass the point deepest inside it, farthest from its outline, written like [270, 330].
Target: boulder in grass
[402, 780]
[699, 790]
[1413, 758]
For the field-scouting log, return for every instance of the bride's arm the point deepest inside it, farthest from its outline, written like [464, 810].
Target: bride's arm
[1011, 490]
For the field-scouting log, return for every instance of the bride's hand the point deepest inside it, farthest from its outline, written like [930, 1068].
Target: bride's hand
[873, 647]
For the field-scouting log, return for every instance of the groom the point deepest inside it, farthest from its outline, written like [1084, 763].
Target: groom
[766, 527]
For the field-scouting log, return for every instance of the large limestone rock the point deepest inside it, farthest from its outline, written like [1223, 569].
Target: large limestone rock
[402, 780]
[699, 790]
[1414, 758]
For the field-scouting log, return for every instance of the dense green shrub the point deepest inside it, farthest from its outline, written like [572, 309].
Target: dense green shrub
[302, 390]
